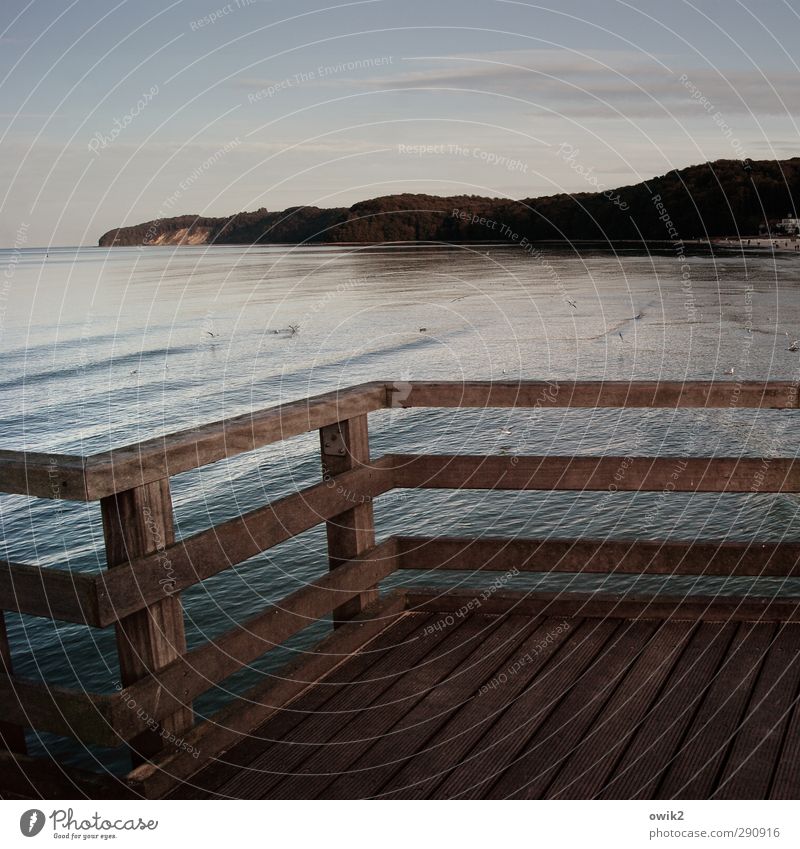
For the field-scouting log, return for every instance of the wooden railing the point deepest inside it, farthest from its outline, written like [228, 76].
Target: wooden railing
[139, 594]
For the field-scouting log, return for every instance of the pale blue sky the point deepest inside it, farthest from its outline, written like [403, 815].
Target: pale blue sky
[115, 112]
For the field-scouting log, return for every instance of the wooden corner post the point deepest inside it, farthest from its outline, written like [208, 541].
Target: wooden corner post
[137, 522]
[344, 446]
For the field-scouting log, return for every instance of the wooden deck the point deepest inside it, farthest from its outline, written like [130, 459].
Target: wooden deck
[417, 693]
[657, 703]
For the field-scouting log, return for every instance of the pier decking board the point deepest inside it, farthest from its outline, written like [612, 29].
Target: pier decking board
[461, 663]
[431, 652]
[612, 707]
[471, 776]
[757, 743]
[454, 707]
[588, 768]
[695, 769]
[582, 700]
[786, 782]
[481, 722]
[638, 772]
[310, 701]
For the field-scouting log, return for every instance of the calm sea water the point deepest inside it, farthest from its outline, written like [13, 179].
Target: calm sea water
[102, 348]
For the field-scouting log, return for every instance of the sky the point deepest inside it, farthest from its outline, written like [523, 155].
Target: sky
[122, 111]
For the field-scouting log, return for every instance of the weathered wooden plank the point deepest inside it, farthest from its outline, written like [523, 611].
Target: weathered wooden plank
[137, 522]
[648, 756]
[345, 446]
[207, 783]
[53, 593]
[385, 755]
[609, 393]
[47, 778]
[196, 671]
[663, 557]
[129, 588]
[694, 771]
[232, 724]
[286, 756]
[756, 747]
[40, 475]
[454, 663]
[786, 781]
[12, 735]
[707, 608]
[87, 717]
[641, 474]
[588, 767]
[493, 693]
[546, 751]
[154, 459]
[478, 762]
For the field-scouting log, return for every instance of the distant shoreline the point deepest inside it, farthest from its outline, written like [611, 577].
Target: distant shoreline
[711, 200]
[759, 243]
[754, 244]
[610, 244]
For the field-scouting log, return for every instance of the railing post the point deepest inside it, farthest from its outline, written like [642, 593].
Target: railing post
[12, 737]
[137, 522]
[345, 446]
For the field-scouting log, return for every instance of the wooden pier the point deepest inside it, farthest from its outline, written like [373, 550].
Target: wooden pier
[419, 693]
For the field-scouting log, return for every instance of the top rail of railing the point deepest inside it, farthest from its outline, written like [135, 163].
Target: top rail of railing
[89, 478]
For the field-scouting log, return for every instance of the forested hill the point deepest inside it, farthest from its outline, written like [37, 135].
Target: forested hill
[722, 198]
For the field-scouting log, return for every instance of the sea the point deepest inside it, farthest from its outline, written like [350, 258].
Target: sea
[106, 347]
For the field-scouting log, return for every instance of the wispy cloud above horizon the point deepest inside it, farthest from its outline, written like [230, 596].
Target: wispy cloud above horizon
[595, 85]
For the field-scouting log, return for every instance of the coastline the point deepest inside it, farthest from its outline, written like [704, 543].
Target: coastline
[759, 243]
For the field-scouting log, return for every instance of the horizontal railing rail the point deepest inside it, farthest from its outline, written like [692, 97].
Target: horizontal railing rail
[603, 556]
[603, 605]
[99, 475]
[779, 395]
[139, 594]
[593, 474]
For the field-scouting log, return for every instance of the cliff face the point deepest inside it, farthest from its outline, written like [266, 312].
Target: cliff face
[182, 230]
[720, 198]
[184, 236]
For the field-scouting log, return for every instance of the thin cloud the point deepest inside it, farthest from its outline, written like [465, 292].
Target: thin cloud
[600, 85]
